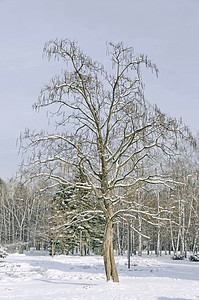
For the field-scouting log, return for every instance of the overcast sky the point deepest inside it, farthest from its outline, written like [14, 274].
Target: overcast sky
[166, 30]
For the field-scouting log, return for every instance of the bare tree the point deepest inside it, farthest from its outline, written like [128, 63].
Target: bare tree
[104, 129]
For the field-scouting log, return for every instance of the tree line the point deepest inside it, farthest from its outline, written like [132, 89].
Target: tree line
[164, 219]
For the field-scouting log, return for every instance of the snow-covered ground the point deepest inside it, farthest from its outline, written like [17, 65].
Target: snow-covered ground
[36, 277]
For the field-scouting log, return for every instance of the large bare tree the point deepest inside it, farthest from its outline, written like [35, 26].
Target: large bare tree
[104, 129]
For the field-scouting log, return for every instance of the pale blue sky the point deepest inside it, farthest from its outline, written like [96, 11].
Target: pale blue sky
[167, 31]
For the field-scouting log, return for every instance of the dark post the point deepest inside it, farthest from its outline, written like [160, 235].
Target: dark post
[129, 247]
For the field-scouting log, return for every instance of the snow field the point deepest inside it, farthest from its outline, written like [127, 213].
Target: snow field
[35, 277]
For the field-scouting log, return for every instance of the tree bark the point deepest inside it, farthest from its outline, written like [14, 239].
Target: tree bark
[159, 229]
[118, 240]
[53, 249]
[109, 261]
[140, 236]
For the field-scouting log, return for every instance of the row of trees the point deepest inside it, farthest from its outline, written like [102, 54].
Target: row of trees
[21, 215]
[164, 218]
[30, 218]
[113, 161]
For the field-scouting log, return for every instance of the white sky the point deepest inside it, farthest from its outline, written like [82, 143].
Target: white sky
[167, 31]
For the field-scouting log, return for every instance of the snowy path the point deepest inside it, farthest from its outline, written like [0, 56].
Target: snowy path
[35, 277]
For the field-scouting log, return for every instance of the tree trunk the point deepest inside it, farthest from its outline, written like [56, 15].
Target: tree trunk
[140, 236]
[195, 249]
[148, 248]
[172, 238]
[159, 229]
[182, 251]
[129, 247]
[53, 249]
[118, 240]
[158, 241]
[133, 242]
[109, 261]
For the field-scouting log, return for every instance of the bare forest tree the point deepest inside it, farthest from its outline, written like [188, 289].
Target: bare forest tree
[104, 130]
[21, 214]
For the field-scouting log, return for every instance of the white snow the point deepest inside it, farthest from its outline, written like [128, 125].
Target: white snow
[32, 276]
